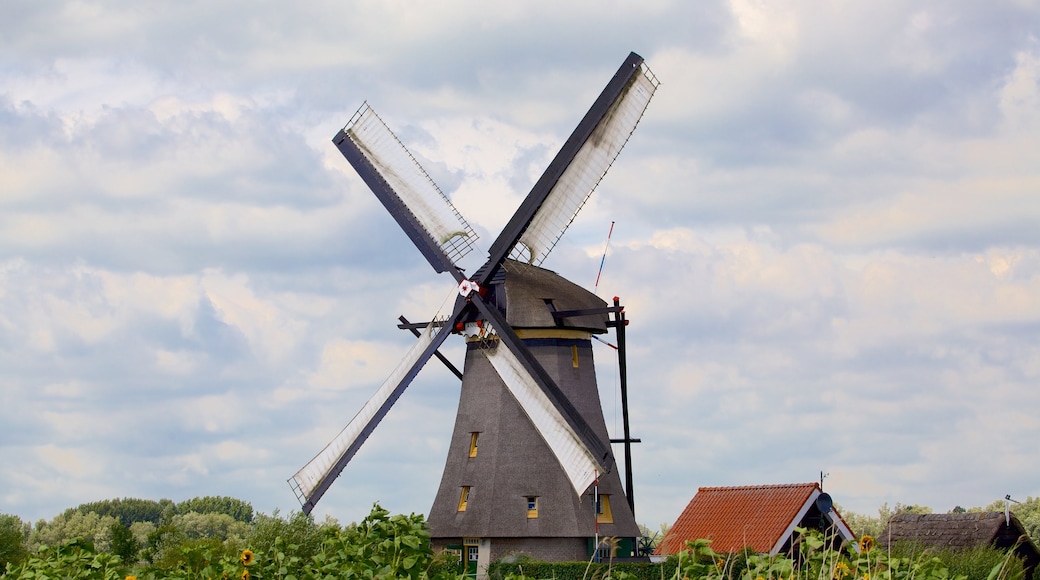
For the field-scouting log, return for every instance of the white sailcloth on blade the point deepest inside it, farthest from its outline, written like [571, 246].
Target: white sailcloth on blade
[585, 172]
[318, 469]
[410, 183]
[576, 460]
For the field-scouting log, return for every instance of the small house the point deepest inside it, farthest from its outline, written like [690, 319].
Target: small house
[760, 517]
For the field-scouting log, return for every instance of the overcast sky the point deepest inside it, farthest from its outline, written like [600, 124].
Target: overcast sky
[827, 239]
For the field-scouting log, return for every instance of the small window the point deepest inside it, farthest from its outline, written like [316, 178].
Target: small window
[603, 513]
[574, 355]
[532, 507]
[464, 498]
[473, 444]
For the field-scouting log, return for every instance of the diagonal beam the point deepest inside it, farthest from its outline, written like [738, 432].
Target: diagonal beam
[414, 328]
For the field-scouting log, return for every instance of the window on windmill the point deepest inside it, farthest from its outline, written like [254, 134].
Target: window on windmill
[574, 355]
[532, 507]
[473, 443]
[464, 498]
[603, 513]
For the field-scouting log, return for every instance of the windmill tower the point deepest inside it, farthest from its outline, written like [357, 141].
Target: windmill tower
[529, 468]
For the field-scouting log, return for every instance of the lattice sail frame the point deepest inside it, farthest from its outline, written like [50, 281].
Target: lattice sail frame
[586, 171]
[310, 476]
[410, 182]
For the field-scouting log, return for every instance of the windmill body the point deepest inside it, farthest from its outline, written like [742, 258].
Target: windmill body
[518, 499]
[529, 468]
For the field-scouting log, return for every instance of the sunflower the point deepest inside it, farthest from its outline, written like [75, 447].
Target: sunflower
[841, 570]
[245, 574]
[246, 557]
[866, 543]
[131, 578]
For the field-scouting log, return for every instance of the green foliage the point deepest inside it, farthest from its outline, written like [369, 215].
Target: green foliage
[814, 561]
[123, 543]
[127, 510]
[195, 558]
[581, 570]
[73, 525]
[165, 539]
[211, 525]
[236, 508]
[13, 539]
[977, 562]
[75, 560]
[298, 530]
[381, 546]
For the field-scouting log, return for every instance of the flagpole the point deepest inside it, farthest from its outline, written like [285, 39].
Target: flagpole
[595, 487]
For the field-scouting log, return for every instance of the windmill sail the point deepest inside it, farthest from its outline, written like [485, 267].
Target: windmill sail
[575, 458]
[577, 169]
[405, 189]
[587, 169]
[313, 479]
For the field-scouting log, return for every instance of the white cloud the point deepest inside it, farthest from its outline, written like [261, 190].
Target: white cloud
[825, 240]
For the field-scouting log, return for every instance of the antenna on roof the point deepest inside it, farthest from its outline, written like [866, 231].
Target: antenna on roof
[1007, 508]
[822, 477]
[602, 260]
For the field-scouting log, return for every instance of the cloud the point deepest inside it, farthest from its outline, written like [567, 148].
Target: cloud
[824, 239]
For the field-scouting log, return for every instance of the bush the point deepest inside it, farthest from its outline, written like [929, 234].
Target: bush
[977, 562]
[13, 535]
[73, 560]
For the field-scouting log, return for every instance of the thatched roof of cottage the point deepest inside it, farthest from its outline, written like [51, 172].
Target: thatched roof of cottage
[964, 531]
[957, 531]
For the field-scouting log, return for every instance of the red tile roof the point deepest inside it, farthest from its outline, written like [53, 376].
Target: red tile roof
[737, 517]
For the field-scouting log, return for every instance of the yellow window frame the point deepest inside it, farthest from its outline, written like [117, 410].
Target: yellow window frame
[603, 514]
[463, 498]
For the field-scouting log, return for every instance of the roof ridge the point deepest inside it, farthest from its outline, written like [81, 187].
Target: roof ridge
[765, 486]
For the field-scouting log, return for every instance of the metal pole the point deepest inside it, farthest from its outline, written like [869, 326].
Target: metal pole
[623, 369]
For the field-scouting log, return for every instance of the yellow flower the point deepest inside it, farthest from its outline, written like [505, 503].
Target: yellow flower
[245, 574]
[841, 570]
[866, 576]
[246, 557]
[131, 578]
[866, 543]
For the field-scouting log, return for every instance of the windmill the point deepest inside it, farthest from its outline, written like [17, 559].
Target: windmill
[529, 466]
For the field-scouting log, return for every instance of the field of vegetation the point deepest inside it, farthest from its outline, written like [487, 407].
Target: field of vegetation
[222, 538]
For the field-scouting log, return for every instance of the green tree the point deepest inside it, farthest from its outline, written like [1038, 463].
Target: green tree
[298, 530]
[123, 543]
[127, 510]
[211, 525]
[13, 539]
[236, 508]
[71, 525]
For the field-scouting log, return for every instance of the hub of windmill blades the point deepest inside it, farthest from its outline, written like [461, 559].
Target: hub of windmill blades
[443, 237]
